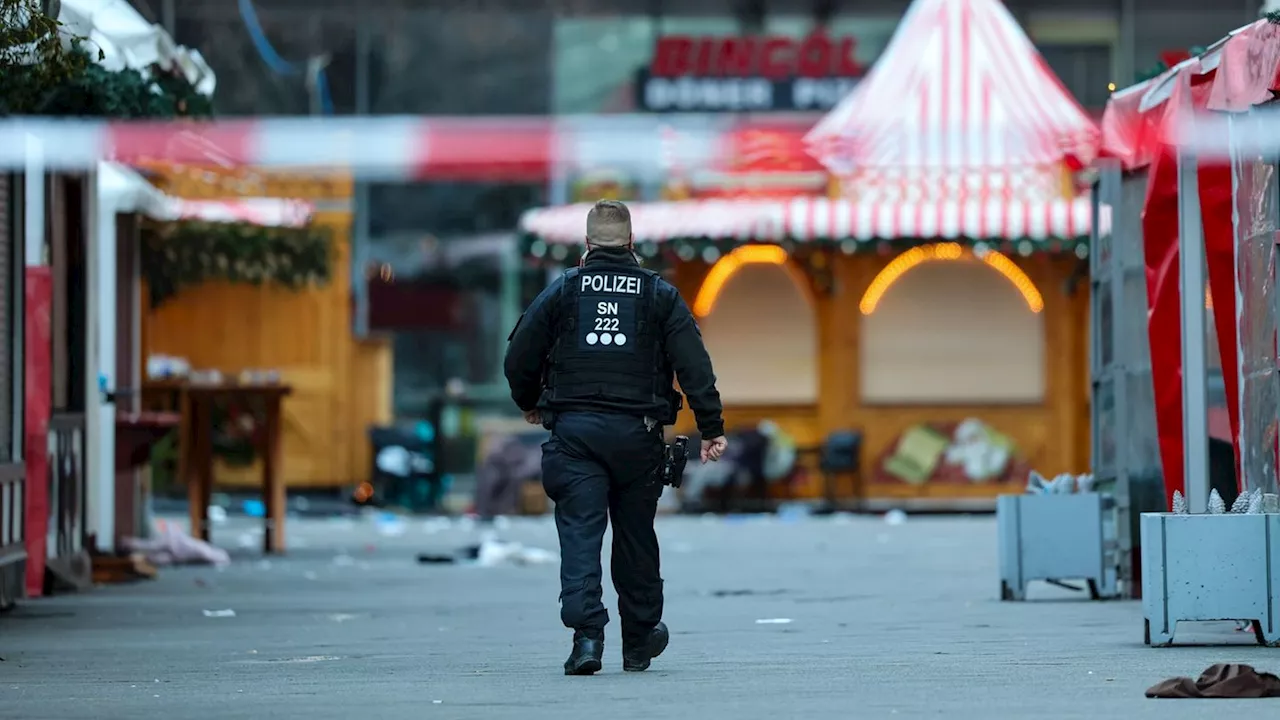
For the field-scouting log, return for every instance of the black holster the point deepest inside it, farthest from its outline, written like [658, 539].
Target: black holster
[677, 456]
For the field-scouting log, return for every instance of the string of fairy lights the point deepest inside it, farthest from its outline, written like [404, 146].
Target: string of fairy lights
[952, 252]
[711, 250]
[810, 263]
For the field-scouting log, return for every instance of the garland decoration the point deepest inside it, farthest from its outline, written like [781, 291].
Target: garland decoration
[676, 251]
[33, 57]
[189, 253]
[94, 91]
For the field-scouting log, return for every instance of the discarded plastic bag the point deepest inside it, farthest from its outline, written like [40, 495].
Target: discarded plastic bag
[170, 545]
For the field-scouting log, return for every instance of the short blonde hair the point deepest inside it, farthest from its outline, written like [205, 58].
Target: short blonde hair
[609, 224]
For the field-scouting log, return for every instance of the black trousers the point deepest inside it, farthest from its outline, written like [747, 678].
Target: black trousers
[597, 468]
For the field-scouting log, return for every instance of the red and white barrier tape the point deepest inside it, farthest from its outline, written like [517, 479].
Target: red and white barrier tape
[476, 148]
[378, 147]
[1215, 136]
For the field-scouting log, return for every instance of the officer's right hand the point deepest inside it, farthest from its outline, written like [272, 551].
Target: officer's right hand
[713, 448]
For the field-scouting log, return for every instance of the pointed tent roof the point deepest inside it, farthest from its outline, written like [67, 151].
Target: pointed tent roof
[960, 93]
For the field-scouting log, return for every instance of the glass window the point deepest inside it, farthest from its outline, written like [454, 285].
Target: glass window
[596, 59]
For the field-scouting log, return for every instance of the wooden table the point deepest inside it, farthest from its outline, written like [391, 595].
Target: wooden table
[195, 459]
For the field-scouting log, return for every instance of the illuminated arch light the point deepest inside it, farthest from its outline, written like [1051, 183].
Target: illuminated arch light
[948, 252]
[725, 268]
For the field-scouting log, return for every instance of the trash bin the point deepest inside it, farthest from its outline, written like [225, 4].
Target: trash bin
[405, 471]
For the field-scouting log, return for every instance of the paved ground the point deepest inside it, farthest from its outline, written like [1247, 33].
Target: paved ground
[885, 621]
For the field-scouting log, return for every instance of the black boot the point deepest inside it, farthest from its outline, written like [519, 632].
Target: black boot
[588, 649]
[636, 658]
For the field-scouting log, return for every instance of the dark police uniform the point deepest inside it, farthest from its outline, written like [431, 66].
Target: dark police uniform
[596, 353]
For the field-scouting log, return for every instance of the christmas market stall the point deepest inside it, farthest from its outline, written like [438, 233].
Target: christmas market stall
[1201, 141]
[149, 244]
[912, 269]
[270, 296]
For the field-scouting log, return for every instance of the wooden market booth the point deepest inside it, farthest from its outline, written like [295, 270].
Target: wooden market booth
[929, 269]
[340, 385]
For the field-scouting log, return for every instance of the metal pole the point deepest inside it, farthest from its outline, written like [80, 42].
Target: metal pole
[33, 212]
[1098, 278]
[1191, 284]
[1121, 361]
[96, 453]
[360, 221]
[558, 192]
[509, 300]
[558, 187]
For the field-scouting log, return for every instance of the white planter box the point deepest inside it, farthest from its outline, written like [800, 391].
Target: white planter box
[1056, 538]
[1210, 567]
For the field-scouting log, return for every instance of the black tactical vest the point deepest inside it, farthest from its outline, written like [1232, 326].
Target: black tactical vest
[608, 344]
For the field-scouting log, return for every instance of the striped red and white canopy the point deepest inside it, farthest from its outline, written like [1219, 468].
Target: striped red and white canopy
[814, 218]
[124, 190]
[267, 212]
[959, 102]
[817, 218]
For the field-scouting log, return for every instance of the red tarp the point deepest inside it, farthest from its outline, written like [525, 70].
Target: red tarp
[1247, 71]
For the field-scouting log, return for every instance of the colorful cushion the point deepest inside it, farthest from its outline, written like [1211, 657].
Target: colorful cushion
[918, 453]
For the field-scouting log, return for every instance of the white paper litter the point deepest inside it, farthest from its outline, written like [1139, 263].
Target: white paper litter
[496, 552]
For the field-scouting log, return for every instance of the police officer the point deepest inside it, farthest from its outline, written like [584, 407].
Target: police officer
[592, 359]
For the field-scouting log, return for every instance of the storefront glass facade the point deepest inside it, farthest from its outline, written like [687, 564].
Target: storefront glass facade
[596, 60]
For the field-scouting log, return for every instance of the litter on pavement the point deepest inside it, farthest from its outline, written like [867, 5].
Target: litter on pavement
[1225, 680]
[491, 553]
[170, 545]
